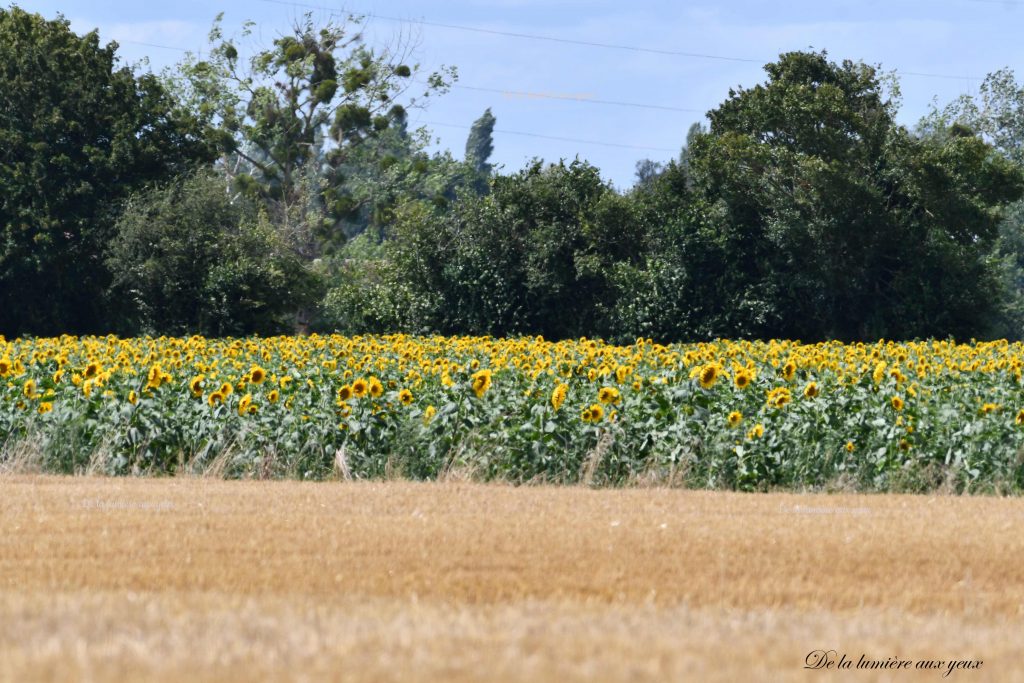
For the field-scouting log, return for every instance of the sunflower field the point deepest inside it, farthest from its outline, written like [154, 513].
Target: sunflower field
[920, 416]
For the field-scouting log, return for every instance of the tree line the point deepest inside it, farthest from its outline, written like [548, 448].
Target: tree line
[286, 191]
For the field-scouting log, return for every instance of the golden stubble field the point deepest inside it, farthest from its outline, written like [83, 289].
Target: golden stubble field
[195, 579]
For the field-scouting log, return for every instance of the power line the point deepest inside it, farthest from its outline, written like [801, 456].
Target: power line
[570, 98]
[527, 94]
[531, 36]
[162, 47]
[504, 91]
[587, 43]
[554, 137]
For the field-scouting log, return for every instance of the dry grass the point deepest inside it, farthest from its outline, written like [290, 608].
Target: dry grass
[198, 579]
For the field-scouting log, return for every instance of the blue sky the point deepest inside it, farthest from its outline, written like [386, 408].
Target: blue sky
[961, 40]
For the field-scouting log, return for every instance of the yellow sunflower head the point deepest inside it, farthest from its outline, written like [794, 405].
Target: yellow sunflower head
[708, 376]
[558, 395]
[789, 370]
[481, 382]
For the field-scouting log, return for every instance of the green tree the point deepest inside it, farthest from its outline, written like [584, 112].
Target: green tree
[997, 113]
[647, 170]
[823, 218]
[188, 259]
[533, 256]
[78, 133]
[290, 119]
[480, 143]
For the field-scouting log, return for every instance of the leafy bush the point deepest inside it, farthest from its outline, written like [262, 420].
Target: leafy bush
[188, 258]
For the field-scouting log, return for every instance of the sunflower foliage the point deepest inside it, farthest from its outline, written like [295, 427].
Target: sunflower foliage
[917, 416]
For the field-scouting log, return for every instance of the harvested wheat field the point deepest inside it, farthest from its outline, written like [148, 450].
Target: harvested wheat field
[193, 579]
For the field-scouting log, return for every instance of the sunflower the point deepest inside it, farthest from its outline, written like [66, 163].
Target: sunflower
[708, 376]
[608, 395]
[789, 370]
[273, 396]
[897, 403]
[405, 397]
[879, 372]
[45, 407]
[213, 399]
[811, 390]
[735, 417]
[376, 388]
[428, 414]
[989, 408]
[360, 387]
[225, 390]
[585, 415]
[195, 385]
[345, 392]
[29, 389]
[558, 395]
[779, 397]
[5, 367]
[1020, 417]
[257, 374]
[756, 432]
[481, 382]
[742, 378]
[596, 413]
[245, 405]
[133, 398]
[91, 370]
[849, 447]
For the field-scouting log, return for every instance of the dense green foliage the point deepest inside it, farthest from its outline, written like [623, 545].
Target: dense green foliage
[803, 211]
[187, 259]
[532, 256]
[825, 219]
[78, 133]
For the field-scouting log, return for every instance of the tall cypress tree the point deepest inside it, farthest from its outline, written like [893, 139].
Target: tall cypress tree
[480, 143]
